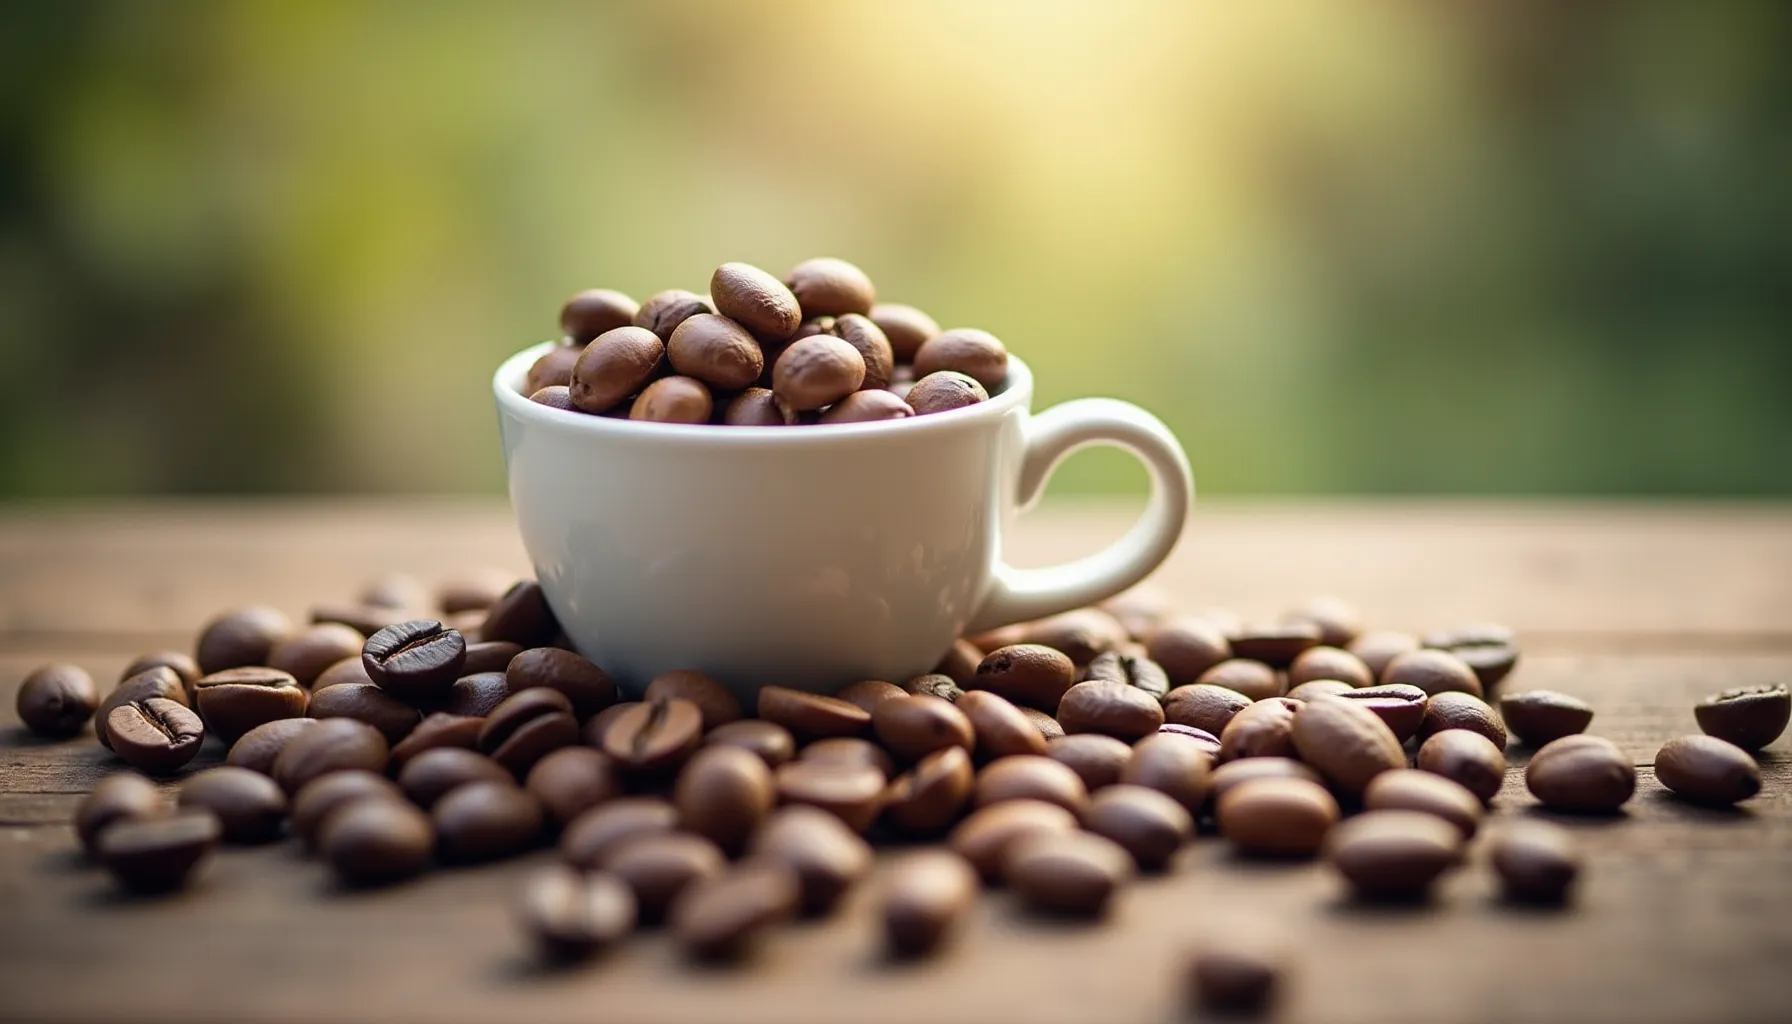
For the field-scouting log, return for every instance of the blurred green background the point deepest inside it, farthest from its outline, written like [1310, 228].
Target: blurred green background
[1344, 247]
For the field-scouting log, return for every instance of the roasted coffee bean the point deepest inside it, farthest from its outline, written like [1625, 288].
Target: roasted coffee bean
[718, 704]
[239, 638]
[552, 373]
[755, 299]
[936, 685]
[654, 736]
[521, 616]
[363, 619]
[723, 794]
[249, 806]
[913, 727]
[306, 654]
[332, 745]
[1346, 742]
[1204, 706]
[1380, 647]
[810, 715]
[1749, 718]
[674, 400]
[1337, 621]
[1408, 789]
[849, 750]
[1707, 770]
[122, 796]
[1142, 674]
[773, 743]
[1537, 862]
[260, 747]
[1455, 710]
[1399, 706]
[589, 688]
[476, 696]
[659, 866]
[927, 799]
[757, 407]
[907, 328]
[1539, 716]
[1111, 709]
[1264, 729]
[238, 699]
[664, 311]
[528, 726]
[1490, 650]
[1275, 645]
[1140, 611]
[1235, 981]
[1433, 671]
[874, 349]
[179, 663]
[1207, 742]
[365, 702]
[433, 774]
[1049, 727]
[56, 700]
[156, 736]
[1254, 679]
[483, 821]
[393, 590]
[311, 805]
[959, 664]
[375, 840]
[1393, 854]
[572, 914]
[870, 693]
[1098, 760]
[817, 371]
[1581, 773]
[722, 917]
[416, 661]
[617, 364]
[1000, 637]
[1031, 777]
[852, 792]
[1186, 648]
[1465, 757]
[985, 836]
[1075, 874]
[571, 781]
[155, 855]
[867, 407]
[944, 391]
[598, 727]
[1316, 688]
[1277, 817]
[1176, 766]
[1029, 674]
[595, 836]
[1147, 824]
[977, 354]
[715, 350]
[1329, 663]
[825, 286]
[590, 313]
[1232, 774]
[1082, 634]
[348, 670]
[827, 857]
[439, 731]
[926, 897]
[491, 656]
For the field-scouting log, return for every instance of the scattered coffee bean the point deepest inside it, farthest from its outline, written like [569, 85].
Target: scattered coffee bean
[655, 736]
[363, 619]
[473, 592]
[1399, 706]
[1098, 760]
[156, 855]
[248, 805]
[1539, 716]
[1263, 729]
[374, 840]
[332, 745]
[1001, 728]
[491, 656]
[416, 661]
[869, 693]
[1049, 727]
[1031, 777]
[664, 311]
[1393, 855]
[913, 727]
[433, 774]
[156, 736]
[1140, 611]
[438, 731]
[1380, 647]
[123, 796]
[571, 781]
[984, 837]
[1275, 645]
[1407, 789]
[1204, 706]
[773, 743]
[179, 663]
[1234, 981]
[811, 715]
[1235, 773]
[1581, 773]
[365, 702]
[927, 799]
[926, 898]
[238, 699]
[1176, 766]
[239, 638]
[977, 354]
[1537, 862]
[1750, 718]
[348, 670]
[312, 805]
[1147, 824]
[827, 857]
[1111, 709]
[1456, 710]
[1074, 873]
[593, 837]
[722, 917]
[306, 654]
[1490, 650]
[1186, 648]
[717, 703]
[852, 792]
[483, 821]
[1348, 743]
[521, 616]
[1277, 817]
[1317, 688]
[260, 747]
[1129, 670]
[1707, 770]
[1433, 671]
[959, 665]
[594, 311]
[56, 700]
[1206, 741]
[1465, 757]
[723, 794]
[476, 696]
[1337, 620]
[1032, 675]
[1254, 679]
[849, 750]
[936, 685]
[528, 726]
[572, 914]
[1082, 634]
[944, 391]
[1329, 663]
[660, 865]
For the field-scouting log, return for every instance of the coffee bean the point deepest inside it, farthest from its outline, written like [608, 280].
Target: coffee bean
[1581, 773]
[589, 688]
[1393, 855]
[476, 696]
[1456, 710]
[1490, 650]
[572, 914]
[571, 781]
[674, 400]
[1275, 645]
[874, 350]
[156, 736]
[238, 699]
[1276, 817]
[829, 287]
[550, 377]
[1001, 728]
[722, 917]
[491, 656]
[156, 855]
[1468, 758]
[598, 727]
[717, 703]
[397, 590]
[985, 836]
[1337, 621]
[1537, 862]
[1399, 706]
[619, 363]
[1232, 774]
[365, 702]
[1142, 674]
[723, 794]
[927, 799]
[715, 350]
[867, 407]
[1254, 679]
[528, 726]
[664, 311]
[1031, 777]
[248, 805]
[239, 638]
[977, 354]
[485, 820]
[1707, 770]
[595, 836]
[927, 896]
[849, 750]
[773, 743]
[1380, 647]
[913, 727]
[348, 670]
[959, 664]
[1539, 716]
[416, 661]
[433, 774]
[817, 371]
[811, 715]
[852, 792]
[869, 693]
[1075, 874]
[757, 407]
[1407, 789]
[439, 731]
[1205, 741]
[1233, 981]
[1186, 648]
[374, 840]
[1029, 674]
[1141, 611]
[306, 654]
[1329, 663]
[1082, 634]
[756, 300]
[592, 312]
[1264, 729]
[56, 700]
[1204, 706]
[827, 857]
[363, 619]
[1314, 689]
[655, 737]
[1049, 727]
[1750, 718]
[659, 866]
[907, 328]
[1433, 671]
[180, 664]
[1346, 742]
[332, 745]
[521, 616]
[1147, 824]
[936, 685]
[1176, 766]
[1111, 709]
[123, 796]
[944, 391]
[1098, 760]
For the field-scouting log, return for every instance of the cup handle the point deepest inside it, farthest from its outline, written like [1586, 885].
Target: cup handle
[1017, 595]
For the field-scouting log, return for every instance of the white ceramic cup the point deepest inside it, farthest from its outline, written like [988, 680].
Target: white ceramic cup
[811, 557]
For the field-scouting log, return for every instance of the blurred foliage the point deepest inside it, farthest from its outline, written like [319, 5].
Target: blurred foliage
[1341, 247]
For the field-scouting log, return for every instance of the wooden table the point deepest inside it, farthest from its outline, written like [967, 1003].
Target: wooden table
[1684, 914]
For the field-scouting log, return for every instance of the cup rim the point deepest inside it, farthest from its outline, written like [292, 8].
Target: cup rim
[1017, 390]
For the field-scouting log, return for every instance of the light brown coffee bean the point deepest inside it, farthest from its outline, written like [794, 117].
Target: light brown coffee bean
[1489, 649]
[927, 896]
[1176, 766]
[571, 781]
[571, 914]
[852, 792]
[1380, 647]
[913, 727]
[867, 407]
[1346, 742]
[755, 299]
[435, 732]
[1337, 620]
[716, 351]
[1075, 874]
[1329, 663]
[1456, 710]
[1048, 727]
[827, 857]
[1465, 757]
[1387, 855]
[1408, 789]
[156, 855]
[849, 750]
[553, 370]
[664, 311]
[1317, 688]
[722, 917]
[594, 837]
[1141, 674]
[944, 391]
[1263, 729]
[1254, 679]
[984, 837]
[238, 699]
[1751, 718]
[594, 731]
[556, 397]
[122, 796]
[936, 685]
[960, 663]
[1031, 777]
[1140, 610]
[1433, 671]
[335, 744]
[1235, 773]
[1234, 980]
[874, 350]
[929, 798]
[907, 328]
[1082, 634]
[977, 354]
[659, 866]
[1275, 645]
[1187, 647]
[239, 638]
[320, 798]
[723, 794]
[156, 736]
[1400, 707]
[1028, 674]
[1707, 770]
[816, 372]
[654, 737]
[1147, 824]
[56, 700]
[432, 775]
[757, 407]
[249, 807]
[773, 743]
[1581, 773]
[1098, 760]
[1111, 709]
[1539, 716]
[1204, 706]
[590, 313]
[673, 400]
[375, 840]
[1537, 862]
[1277, 817]
[825, 286]
[869, 693]
[619, 363]
[810, 715]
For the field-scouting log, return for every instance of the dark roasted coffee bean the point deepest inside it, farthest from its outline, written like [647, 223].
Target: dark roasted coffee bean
[156, 736]
[773, 743]
[491, 656]
[1707, 770]
[1407, 789]
[1537, 862]
[571, 781]
[870, 693]
[985, 836]
[589, 688]
[1539, 716]
[913, 727]
[1275, 645]
[827, 857]
[1433, 671]
[528, 726]
[852, 792]
[1346, 742]
[1329, 663]
[715, 350]
[1098, 760]
[521, 616]
[718, 704]
[654, 737]
[1399, 706]
[1317, 688]
[1337, 621]
[811, 715]
[1380, 647]
[1076, 874]
[1456, 710]
[944, 391]
[1264, 729]
[433, 774]
[929, 798]
[590, 313]
[907, 328]
[1232, 774]
[825, 286]
[154, 855]
[1204, 706]
[249, 806]
[332, 745]
[1276, 817]
[1176, 766]
[723, 794]
[375, 840]
[1147, 824]
[874, 350]
[867, 407]
[959, 664]
[1111, 709]
[1465, 757]
[593, 837]
[1001, 728]
[239, 638]
[721, 917]
[1186, 648]
[659, 866]
[1234, 980]
[475, 696]
[1031, 777]
[1393, 854]
[56, 700]
[849, 750]
[936, 685]
[348, 670]
[572, 914]
[1750, 718]
[179, 663]
[664, 311]
[486, 820]
[1082, 634]
[416, 661]
[123, 796]
[1581, 773]
[322, 796]
[1127, 670]
[1030, 674]
[438, 731]
[365, 702]
[674, 400]
[238, 699]
[816, 372]
[1490, 650]
[926, 897]
[755, 299]
[307, 653]
[977, 354]
[1254, 679]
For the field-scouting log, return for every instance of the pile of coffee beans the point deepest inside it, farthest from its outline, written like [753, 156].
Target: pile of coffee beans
[1060, 759]
[814, 347]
